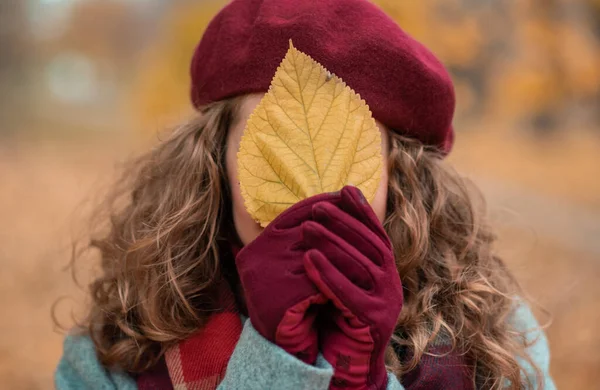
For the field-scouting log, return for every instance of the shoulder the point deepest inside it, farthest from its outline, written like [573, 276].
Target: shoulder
[79, 368]
[524, 321]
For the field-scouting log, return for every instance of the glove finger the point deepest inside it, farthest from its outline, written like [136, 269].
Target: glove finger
[346, 258]
[301, 211]
[355, 204]
[351, 230]
[344, 294]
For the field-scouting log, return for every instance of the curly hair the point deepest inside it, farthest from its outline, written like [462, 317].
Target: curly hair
[454, 283]
[168, 216]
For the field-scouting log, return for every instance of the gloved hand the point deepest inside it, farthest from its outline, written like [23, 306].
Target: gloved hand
[280, 298]
[352, 263]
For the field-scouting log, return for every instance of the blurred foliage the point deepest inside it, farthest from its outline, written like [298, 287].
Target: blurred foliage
[528, 60]
[161, 88]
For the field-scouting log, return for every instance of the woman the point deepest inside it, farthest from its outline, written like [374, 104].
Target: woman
[402, 293]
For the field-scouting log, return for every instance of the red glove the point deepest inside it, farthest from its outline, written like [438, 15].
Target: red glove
[352, 263]
[279, 295]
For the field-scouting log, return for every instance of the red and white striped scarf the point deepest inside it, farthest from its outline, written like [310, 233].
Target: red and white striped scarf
[200, 361]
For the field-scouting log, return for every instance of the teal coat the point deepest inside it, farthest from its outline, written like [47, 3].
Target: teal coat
[257, 364]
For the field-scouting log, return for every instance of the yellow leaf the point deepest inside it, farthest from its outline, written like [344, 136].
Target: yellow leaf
[310, 134]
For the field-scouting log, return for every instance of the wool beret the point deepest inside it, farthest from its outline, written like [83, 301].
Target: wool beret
[404, 84]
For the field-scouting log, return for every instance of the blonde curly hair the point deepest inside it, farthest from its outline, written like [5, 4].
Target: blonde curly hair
[164, 249]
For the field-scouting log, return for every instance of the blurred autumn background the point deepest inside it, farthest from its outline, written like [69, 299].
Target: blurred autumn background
[85, 84]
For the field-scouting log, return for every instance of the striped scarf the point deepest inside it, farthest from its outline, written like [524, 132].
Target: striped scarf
[199, 362]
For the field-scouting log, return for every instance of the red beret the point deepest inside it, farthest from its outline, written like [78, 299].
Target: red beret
[404, 84]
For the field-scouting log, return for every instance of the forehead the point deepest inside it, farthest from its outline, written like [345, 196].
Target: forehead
[247, 104]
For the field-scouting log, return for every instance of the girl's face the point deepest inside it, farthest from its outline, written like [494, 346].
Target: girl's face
[245, 226]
